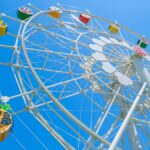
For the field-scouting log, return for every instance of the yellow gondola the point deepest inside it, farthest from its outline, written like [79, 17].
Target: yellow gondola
[5, 124]
[3, 28]
[55, 12]
[113, 28]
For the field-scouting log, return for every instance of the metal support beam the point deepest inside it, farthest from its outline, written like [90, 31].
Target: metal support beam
[127, 119]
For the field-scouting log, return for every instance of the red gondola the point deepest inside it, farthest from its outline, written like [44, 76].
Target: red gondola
[84, 18]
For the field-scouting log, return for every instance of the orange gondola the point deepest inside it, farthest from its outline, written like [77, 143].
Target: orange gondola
[55, 12]
[5, 124]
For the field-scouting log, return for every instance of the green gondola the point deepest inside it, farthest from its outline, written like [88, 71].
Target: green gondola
[142, 43]
[24, 13]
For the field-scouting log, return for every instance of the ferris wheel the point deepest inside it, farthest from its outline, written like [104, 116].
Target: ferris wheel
[84, 78]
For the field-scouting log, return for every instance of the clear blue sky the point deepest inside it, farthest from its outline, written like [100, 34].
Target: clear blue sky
[131, 13]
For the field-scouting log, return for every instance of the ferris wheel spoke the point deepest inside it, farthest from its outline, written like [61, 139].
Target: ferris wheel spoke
[33, 91]
[70, 80]
[63, 130]
[104, 115]
[131, 92]
[40, 105]
[112, 50]
[61, 119]
[113, 127]
[117, 49]
[66, 32]
[53, 76]
[73, 23]
[98, 105]
[16, 49]
[30, 30]
[72, 136]
[7, 46]
[34, 7]
[71, 28]
[107, 85]
[50, 59]
[145, 132]
[49, 70]
[6, 64]
[51, 52]
[120, 49]
[107, 52]
[55, 134]
[55, 34]
[12, 18]
[61, 98]
[62, 91]
[12, 35]
[18, 141]
[127, 51]
[47, 50]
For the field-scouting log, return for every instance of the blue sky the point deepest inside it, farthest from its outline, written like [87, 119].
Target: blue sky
[131, 13]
